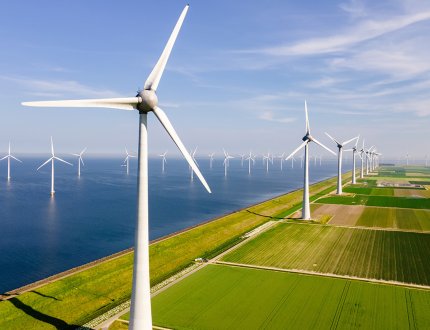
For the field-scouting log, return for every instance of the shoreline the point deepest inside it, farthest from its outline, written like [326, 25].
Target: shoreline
[30, 286]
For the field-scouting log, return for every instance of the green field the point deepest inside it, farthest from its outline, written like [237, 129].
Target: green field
[404, 219]
[369, 191]
[222, 297]
[383, 201]
[364, 253]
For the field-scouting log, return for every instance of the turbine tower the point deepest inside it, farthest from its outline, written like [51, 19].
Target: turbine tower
[163, 161]
[362, 154]
[354, 151]
[52, 159]
[193, 153]
[226, 162]
[145, 101]
[249, 158]
[80, 160]
[126, 162]
[267, 159]
[211, 158]
[9, 157]
[242, 156]
[281, 157]
[339, 161]
[306, 211]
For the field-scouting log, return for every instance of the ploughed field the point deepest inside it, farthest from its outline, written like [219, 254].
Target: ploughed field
[357, 252]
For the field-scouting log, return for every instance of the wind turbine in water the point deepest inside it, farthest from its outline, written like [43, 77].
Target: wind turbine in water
[126, 162]
[52, 159]
[226, 162]
[80, 160]
[308, 138]
[9, 157]
[193, 153]
[163, 160]
[211, 159]
[281, 157]
[145, 101]
[249, 159]
[339, 161]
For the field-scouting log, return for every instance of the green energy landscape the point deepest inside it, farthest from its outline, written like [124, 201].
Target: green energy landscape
[361, 263]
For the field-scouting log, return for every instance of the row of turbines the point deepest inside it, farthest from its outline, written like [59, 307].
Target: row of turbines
[145, 102]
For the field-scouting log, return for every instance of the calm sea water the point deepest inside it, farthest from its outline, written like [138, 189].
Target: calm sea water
[94, 216]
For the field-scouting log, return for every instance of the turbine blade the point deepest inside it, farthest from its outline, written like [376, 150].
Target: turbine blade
[44, 163]
[308, 128]
[123, 103]
[82, 152]
[81, 160]
[52, 147]
[350, 140]
[14, 158]
[171, 131]
[298, 148]
[332, 138]
[9, 147]
[322, 145]
[77, 155]
[155, 76]
[4, 157]
[62, 160]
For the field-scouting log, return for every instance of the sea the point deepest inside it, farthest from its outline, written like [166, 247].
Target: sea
[94, 216]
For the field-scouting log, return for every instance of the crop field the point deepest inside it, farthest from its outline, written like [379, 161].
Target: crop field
[365, 253]
[383, 201]
[403, 219]
[369, 191]
[224, 297]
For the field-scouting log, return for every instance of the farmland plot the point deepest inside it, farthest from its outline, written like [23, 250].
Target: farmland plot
[384, 201]
[373, 254]
[223, 297]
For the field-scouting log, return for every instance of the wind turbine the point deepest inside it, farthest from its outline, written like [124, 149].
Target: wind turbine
[267, 158]
[8, 157]
[281, 157]
[193, 153]
[127, 159]
[362, 154]
[52, 159]
[242, 156]
[354, 151]
[306, 211]
[80, 160]
[249, 158]
[292, 161]
[145, 101]
[339, 161]
[407, 159]
[211, 158]
[368, 151]
[163, 160]
[226, 162]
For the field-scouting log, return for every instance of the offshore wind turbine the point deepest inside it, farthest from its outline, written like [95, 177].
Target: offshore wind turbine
[9, 157]
[242, 156]
[281, 157]
[226, 162]
[80, 160]
[308, 138]
[249, 158]
[193, 153]
[211, 158]
[127, 159]
[267, 158]
[339, 161]
[52, 159]
[145, 101]
[163, 161]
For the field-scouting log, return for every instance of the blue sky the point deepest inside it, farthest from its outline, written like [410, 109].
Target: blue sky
[237, 78]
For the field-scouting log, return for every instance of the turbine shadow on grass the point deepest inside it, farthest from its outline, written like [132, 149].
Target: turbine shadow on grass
[57, 323]
[44, 295]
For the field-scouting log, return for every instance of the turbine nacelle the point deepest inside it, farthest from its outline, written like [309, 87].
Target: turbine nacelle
[148, 100]
[307, 137]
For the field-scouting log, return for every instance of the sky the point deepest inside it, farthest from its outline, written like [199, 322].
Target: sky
[237, 77]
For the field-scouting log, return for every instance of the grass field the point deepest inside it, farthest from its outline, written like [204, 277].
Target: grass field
[369, 191]
[364, 253]
[222, 297]
[383, 201]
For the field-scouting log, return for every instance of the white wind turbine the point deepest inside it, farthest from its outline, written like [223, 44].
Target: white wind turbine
[193, 153]
[226, 162]
[368, 151]
[249, 159]
[80, 160]
[242, 156]
[292, 161]
[362, 153]
[211, 158]
[9, 157]
[354, 151]
[126, 162]
[281, 157]
[267, 159]
[306, 211]
[339, 161]
[145, 101]
[52, 159]
[163, 160]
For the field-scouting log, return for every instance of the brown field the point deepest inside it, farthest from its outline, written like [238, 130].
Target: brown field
[412, 193]
[342, 215]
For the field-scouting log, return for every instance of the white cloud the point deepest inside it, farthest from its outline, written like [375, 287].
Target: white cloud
[270, 116]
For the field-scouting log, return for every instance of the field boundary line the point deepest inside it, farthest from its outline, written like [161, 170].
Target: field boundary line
[308, 272]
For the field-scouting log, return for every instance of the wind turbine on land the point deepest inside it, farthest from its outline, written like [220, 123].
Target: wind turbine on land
[362, 153]
[52, 159]
[127, 159]
[226, 162]
[80, 160]
[163, 161]
[9, 157]
[145, 101]
[249, 158]
[306, 211]
[354, 151]
[339, 161]
[368, 151]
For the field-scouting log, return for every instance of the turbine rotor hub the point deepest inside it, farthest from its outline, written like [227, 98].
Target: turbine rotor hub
[307, 137]
[148, 100]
